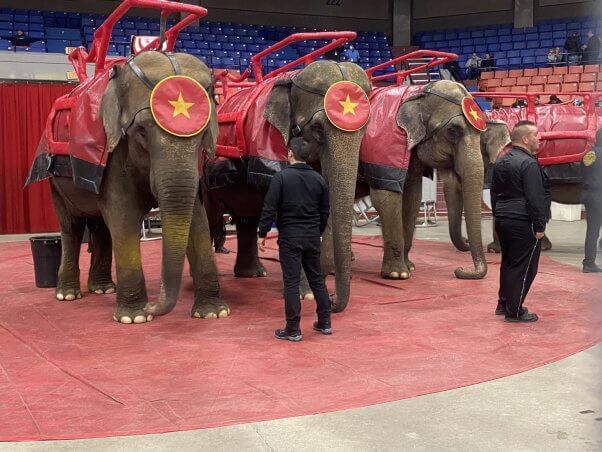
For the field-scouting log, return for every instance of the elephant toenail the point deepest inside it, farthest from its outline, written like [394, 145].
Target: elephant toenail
[149, 317]
[111, 290]
[98, 291]
[70, 297]
[196, 315]
[222, 314]
[126, 320]
[211, 315]
[60, 296]
[139, 319]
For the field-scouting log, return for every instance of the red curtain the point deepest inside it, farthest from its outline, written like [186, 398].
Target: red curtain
[23, 111]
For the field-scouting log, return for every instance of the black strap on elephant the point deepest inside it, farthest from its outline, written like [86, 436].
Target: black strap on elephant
[298, 128]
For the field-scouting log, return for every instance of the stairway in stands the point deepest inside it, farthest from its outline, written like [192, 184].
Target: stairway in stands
[422, 78]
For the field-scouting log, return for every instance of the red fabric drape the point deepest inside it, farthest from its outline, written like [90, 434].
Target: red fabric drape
[23, 111]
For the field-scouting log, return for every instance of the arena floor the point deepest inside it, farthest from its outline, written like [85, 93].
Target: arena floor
[555, 405]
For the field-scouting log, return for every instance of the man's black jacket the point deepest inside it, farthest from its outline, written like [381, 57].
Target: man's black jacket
[298, 200]
[520, 190]
[592, 175]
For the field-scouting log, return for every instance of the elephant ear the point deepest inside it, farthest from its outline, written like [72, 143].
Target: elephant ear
[412, 118]
[209, 139]
[110, 111]
[493, 140]
[278, 108]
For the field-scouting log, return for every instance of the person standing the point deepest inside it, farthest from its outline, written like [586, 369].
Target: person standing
[521, 200]
[591, 50]
[298, 200]
[351, 54]
[592, 198]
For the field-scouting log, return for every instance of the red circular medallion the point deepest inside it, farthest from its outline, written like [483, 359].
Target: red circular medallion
[347, 106]
[180, 106]
[474, 114]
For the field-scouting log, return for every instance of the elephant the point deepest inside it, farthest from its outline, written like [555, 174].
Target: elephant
[438, 137]
[147, 167]
[296, 107]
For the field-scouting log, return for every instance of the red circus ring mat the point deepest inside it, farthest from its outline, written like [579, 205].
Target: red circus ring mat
[68, 371]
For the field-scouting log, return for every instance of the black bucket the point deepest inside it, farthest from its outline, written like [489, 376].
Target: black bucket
[46, 251]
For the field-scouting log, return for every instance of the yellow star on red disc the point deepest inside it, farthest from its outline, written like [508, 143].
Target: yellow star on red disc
[181, 107]
[347, 106]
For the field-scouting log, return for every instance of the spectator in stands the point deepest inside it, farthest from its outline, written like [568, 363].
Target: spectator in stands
[472, 67]
[351, 54]
[591, 50]
[521, 198]
[487, 63]
[559, 55]
[20, 39]
[554, 100]
[554, 56]
[519, 103]
[573, 47]
[454, 70]
[335, 54]
[592, 198]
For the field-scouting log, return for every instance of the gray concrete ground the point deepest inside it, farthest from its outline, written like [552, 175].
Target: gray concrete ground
[557, 406]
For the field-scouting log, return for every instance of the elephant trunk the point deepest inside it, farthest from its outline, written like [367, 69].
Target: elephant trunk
[470, 169]
[176, 192]
[452, 190]
[340, 169]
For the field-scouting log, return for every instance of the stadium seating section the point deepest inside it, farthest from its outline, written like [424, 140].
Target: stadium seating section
[510, 47]
[221, 45]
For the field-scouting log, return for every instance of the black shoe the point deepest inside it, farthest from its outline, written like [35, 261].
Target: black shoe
[222, 250]
[525, 317]
[501, 309]
[286, 335]
[323, 328]
[591, 268]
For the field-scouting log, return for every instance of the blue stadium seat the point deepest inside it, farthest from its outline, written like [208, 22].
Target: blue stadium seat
[559, 42]
[506, 31]
[454, 43]
[506, 46]
[559, 34]
[499, 55]
[544, 27]
[466, 42]
[532, 36]
[464, 35]
[546, 35]
[502, 62]
[493, 47]
[490, 32]
[518, 38]
[481, 49]
[502, 39]
[36, 34]
[477, 34]
[528, 60]
[541, 59]
[540, 52]
[450, 35]
[528, 53]
[514, 61]
[519, 45]
[5, 45]
[215, 45]
[559, 26]
[491, 40]
[513, 53]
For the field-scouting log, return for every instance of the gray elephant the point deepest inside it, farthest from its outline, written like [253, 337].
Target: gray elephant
[295, 105]
[146, 167]
[439, 136]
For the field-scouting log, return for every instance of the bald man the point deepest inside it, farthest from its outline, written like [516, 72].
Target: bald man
[521, 199]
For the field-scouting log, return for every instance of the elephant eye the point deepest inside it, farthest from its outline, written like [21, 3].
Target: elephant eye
[454, 132]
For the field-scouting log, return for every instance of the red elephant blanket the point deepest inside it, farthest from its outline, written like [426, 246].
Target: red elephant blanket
[74, 141]
[384, 155]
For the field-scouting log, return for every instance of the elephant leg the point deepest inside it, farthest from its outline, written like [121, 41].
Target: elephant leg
[389, 207]
[207, 301]
[247, 259]
[99, 279]
[494, 247]
[131, 287]
[72, 233]
[412, 195]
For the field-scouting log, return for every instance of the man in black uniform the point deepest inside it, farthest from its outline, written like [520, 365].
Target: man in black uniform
[521, 198]
[592, 198]
[298, 200]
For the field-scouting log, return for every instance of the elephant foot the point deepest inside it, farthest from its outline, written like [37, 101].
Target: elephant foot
[309, 296]
[67, 292]
[546, 245]
[131, 314]
[494, 247]
[254, 270]
[390, 272]
[100, 287]
[210, 310]
[410, 265]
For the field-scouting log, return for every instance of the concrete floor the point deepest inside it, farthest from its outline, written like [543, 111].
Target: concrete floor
[557, 406]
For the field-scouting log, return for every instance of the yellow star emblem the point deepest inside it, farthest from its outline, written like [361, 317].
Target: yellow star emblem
[180, 107]
[348, 106]
[474, 114]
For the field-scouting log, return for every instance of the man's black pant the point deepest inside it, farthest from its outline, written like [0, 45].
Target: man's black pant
[520, 259]
[297, 253]
[594, 222]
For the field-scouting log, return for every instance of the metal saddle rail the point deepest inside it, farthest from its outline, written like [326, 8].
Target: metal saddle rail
[102, 35]
[227, 79]
[438, 58]
[589, 103]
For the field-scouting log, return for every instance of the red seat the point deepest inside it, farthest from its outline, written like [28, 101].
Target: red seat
[534, 88]
[509, 82]
[575, 69]
[599, 86]
[554, 79]
[523, 81]
[552, 88]
[544, 71]
[591, 68]
[588, 77]
[515, 73]
[530, 72]
[486, 75]
[560, 70]
[500, 74]
[508, 101]
[587, 86]
[494, 83]
[539, 80]
[569, 87]
[571, 78]
[518, 89]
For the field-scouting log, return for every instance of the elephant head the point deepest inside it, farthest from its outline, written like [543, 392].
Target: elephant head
[443, 138]
[169, 162]
[296, 108]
